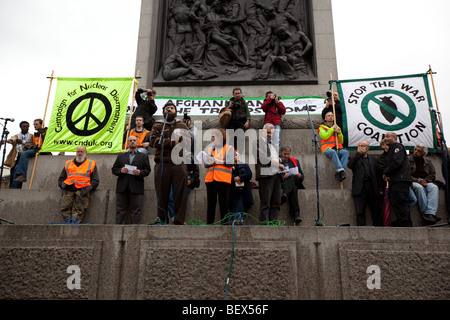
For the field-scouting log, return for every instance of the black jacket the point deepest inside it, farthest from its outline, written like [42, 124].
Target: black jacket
[146, 109]
[356, 165]
[127, 182]
[337, 108]
[193, 175]
[245, 173]
[397, 168]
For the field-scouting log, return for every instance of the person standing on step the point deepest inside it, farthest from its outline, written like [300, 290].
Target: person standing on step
[365, 189]
[130, 168]
[398, 174]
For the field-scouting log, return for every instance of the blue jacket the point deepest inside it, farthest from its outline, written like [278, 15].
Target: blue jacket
[245, 173]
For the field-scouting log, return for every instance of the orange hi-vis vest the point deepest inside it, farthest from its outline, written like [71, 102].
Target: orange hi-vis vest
[219, 172]
[36, 141]
[331, 142]
[81, 175]
[140, 136]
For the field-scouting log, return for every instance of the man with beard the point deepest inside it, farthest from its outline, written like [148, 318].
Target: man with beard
[77, 179]
[170, 168]
[146, 108]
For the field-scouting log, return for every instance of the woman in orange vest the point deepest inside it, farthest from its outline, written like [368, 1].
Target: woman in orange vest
[331, 147]
[218, 174]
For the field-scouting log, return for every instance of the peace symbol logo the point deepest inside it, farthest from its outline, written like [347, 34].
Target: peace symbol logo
[392, 105]
[88, 123]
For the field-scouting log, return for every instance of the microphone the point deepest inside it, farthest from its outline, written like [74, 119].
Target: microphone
[7, 119]
[164, 126]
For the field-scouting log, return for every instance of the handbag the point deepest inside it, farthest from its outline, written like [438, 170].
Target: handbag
[224, 117]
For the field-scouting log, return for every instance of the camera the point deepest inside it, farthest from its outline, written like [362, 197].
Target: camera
[236, 105]
[186, 118]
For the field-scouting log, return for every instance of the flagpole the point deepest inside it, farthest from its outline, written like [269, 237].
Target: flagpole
[43, 125]
[434, 93]
[334, 119]
[442, 137]
[131, 108]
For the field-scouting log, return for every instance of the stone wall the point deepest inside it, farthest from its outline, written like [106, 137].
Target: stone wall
[193, 263]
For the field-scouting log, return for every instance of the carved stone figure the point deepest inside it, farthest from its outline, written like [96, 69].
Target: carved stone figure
[236, 40]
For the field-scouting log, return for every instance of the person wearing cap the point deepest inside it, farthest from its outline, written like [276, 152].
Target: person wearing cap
[167, 137]
[331, 145]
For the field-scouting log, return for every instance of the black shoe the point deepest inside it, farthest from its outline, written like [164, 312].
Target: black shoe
[338, 176]
[428, 217]
[297, 218]
[342, 175]
[436, 218]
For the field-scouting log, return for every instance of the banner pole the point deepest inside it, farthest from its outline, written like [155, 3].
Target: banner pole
[434, 93]
[136, 82]
[43, 125]
[334, 117]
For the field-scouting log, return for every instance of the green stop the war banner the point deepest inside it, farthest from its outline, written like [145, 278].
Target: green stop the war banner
[88, 112]
[400, 104]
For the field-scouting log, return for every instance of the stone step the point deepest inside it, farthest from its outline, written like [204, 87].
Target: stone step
[41, 206]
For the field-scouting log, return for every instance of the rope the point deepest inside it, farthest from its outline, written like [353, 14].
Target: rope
[232, 257]
[243, 219]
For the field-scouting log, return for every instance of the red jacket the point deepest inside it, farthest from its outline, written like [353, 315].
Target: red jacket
[273, 111]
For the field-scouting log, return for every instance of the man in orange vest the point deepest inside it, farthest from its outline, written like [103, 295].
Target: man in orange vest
[142, 134]
[331, 147]
[77, 179]
[20, 172]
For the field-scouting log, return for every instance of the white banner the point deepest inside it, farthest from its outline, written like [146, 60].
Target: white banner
[373, 107]
[212, 106]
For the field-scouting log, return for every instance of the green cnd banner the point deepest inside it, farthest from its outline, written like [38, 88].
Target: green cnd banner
[88, 112]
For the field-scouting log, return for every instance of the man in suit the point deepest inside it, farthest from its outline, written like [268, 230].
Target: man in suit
[131, 168]
[267, 166]
[365, 185]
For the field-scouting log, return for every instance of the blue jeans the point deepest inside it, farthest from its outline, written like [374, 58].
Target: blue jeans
[21, 167]
[427, 197]
[339, 161]
[412, 199]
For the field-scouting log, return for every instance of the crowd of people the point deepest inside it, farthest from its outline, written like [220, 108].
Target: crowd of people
[408, 179]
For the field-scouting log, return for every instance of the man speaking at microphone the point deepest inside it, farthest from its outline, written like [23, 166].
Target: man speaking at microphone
[165, 137]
